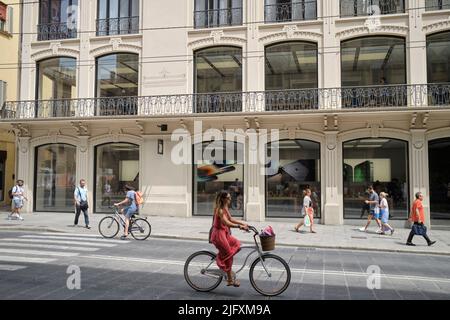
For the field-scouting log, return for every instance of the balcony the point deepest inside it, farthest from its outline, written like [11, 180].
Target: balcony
[358, 8]
[55, 31]
[218, 18]
[290, 11]
[431, 5]
[346, 98]
[116, 26]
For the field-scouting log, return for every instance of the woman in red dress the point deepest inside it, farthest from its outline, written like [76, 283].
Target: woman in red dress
[221, 236]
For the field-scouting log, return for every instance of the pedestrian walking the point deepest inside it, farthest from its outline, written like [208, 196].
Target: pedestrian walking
[81, 203]
[17, 201]
[418, 218]
[374, 212]
[307, 211]
[384, 213]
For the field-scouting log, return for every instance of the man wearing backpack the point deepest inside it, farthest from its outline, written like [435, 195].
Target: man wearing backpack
[81, 203]
[131, 205]
[17, 193]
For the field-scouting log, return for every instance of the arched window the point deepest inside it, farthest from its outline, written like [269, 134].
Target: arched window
[117, 84]
[55, 177]
[116, 165]
[297, 169]
[373, 72]
[218, 70]
[439, 171]
[381, 163]
[291, 69]
[57, 83]
[218, 165]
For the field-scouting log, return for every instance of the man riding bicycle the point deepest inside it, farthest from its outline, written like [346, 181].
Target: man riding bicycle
[129, 210]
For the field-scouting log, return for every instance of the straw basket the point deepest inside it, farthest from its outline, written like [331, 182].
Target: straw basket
[267, 243]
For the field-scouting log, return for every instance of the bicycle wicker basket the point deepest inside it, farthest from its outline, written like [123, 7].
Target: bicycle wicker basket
[267, 243]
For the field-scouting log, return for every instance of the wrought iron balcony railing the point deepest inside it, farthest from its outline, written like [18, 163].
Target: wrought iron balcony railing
[431, 5]
[358, 8]
[55, 31]
[115, 26]
[218, 18]
[296, 10]
[354, 98]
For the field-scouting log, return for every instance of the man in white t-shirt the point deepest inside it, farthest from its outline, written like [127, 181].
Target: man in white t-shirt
[18, 197]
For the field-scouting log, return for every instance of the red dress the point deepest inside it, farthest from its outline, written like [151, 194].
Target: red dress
[227, 245]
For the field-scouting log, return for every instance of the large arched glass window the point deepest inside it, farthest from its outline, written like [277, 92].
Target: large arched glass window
[218, 165]
[116, 165]
[57, 80]
[439, 171]
[438, 57]
[297, 169]
[291, 66]
[117, 17]
[117, 76]
[382, 163]
[218, 70]
[55, 177]
[373, 72]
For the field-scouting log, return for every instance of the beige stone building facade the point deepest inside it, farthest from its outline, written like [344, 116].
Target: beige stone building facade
[359, 92]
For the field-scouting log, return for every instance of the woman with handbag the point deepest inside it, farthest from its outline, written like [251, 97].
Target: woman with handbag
[221, 236]
[81, 203]
[307, 212]
[384, 214]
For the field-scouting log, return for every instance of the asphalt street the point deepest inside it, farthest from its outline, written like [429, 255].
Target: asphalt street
[37, 265]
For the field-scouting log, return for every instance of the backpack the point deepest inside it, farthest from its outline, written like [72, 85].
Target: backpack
[138, 198]
[10, 194]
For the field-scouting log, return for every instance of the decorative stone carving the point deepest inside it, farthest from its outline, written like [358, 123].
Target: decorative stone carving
[55, 46]
[290, 31]
[364, 30]
[115, 43]
[437, 26]
[217, 35]
[82, 129]
[375, 128]
[140, 126]
[331, 140]
[20, 130]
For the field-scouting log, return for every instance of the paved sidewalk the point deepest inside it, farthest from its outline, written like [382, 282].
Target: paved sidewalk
[339, 237]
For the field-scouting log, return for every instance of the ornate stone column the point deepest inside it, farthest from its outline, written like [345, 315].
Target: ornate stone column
[24, 164]
[332, 167]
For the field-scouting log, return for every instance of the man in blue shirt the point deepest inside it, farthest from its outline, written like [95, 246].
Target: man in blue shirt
[130, 208]
[373, 202]
[81, 203]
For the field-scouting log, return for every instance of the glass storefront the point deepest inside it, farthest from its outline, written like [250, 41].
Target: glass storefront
[57, 80]
[116, 165]
[382, 163]
[55, 178]
[218, 166]
[297, 169]
[439, 171]
[218, 70]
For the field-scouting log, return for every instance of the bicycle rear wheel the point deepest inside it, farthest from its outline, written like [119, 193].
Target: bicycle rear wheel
[140, 229]
[270, 275]
[201, 271]
[108, 227]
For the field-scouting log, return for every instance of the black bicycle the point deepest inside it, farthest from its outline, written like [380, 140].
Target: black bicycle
[269, 274]
[139, 228]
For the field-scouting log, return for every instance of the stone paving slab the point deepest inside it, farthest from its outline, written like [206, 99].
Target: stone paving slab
[197, 228]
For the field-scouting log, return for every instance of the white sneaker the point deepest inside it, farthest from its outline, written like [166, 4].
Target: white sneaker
[20, 218]
[379, 231]
[362, 229]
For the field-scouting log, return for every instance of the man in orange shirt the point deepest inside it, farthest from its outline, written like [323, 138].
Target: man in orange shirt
[418, 217]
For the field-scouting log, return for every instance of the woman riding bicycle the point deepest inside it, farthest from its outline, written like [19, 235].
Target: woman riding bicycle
[221, 236]
[129, 210]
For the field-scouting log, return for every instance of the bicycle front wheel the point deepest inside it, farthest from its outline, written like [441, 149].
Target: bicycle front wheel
[141, 229]
[108, 227]
[201, 272]
[270, 275]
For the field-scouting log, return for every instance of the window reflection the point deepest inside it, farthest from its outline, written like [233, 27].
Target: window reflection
[55, 177]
